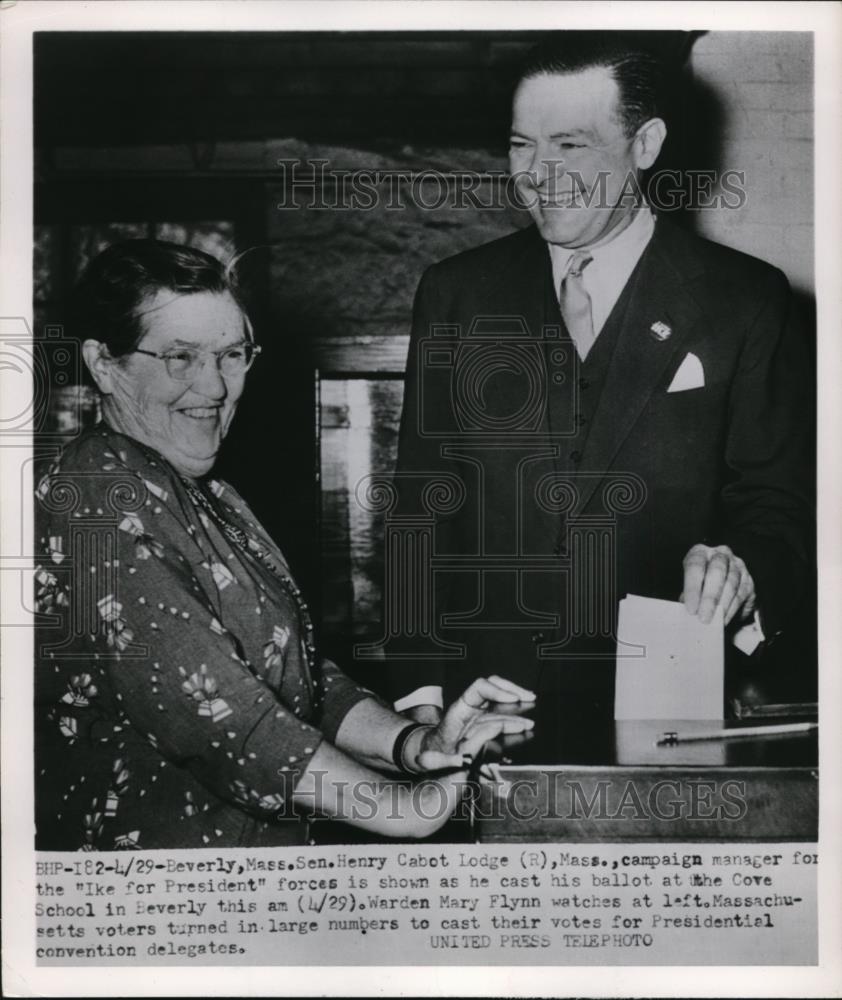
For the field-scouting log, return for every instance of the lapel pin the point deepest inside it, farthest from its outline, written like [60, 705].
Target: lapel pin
[660, 331]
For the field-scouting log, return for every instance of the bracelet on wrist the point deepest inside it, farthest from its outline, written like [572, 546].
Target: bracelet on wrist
[401, 740]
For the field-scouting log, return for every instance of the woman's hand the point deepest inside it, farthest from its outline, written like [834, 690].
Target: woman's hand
[468, 725]
[335, 784]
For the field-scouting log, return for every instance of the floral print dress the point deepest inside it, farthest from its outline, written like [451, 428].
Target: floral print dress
[178, 692]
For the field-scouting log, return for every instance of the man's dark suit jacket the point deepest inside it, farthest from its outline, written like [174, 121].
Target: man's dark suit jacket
[563, 488]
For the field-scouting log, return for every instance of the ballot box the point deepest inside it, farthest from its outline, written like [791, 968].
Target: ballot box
[614, 782]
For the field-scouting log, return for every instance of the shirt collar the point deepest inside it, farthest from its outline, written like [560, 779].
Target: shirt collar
[621, 253]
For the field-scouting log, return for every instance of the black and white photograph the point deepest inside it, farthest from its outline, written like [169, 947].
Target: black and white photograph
[421, 509]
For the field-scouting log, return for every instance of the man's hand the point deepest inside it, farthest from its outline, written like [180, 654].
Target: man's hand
[715, 578]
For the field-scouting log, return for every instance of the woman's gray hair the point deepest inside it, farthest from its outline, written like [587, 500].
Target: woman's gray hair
[108, 302]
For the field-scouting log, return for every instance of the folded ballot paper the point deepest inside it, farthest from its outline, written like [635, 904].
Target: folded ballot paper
[669, 664]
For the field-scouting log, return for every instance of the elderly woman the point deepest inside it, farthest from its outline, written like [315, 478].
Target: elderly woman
[183, 702]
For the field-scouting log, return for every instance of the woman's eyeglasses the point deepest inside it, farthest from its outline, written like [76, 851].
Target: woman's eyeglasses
[186, 363]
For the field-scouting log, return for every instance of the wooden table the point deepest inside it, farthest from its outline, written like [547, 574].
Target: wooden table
[613, 783]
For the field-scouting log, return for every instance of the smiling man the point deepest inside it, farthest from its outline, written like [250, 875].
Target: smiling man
[576, 152]
[621, 406]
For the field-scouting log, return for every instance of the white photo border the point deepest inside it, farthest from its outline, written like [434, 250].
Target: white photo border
[18, 21]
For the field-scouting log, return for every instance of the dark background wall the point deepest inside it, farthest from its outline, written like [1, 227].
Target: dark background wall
[166, 102]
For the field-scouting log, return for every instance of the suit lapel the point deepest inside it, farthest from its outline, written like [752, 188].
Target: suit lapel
[531, 274]
[659, 295]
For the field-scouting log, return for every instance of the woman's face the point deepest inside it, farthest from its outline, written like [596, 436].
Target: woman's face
[184, 421]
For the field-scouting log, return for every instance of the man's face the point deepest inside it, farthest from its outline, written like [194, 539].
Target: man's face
[570, 157]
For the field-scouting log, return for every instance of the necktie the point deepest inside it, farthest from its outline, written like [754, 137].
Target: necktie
[576, 304]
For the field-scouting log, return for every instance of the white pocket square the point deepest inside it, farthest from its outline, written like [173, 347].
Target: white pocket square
[690, 375]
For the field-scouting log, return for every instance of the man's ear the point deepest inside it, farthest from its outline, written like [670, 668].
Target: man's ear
[648, 141]
[100, 365]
